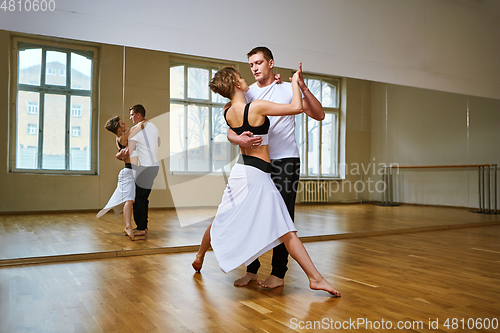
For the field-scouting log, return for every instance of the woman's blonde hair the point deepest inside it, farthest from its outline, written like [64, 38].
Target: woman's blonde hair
[224, 80]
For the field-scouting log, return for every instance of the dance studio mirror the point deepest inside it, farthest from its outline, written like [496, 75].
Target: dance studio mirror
[369, 151]
[440, 161]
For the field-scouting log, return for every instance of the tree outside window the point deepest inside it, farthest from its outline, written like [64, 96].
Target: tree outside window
[198, 130]
[318, 141]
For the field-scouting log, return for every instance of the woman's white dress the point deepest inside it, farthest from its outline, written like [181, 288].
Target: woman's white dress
[250, 219]
[125, 191]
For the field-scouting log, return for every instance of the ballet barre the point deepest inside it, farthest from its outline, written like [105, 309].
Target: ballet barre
[484, 182]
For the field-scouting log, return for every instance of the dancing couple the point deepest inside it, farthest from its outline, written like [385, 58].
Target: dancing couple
[254, 216]
[138, 149]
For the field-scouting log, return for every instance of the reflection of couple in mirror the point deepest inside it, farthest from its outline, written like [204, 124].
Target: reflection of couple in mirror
[256, 212]
[138, 149]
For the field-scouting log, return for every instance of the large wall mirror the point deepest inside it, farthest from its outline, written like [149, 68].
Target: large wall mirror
[412, 151]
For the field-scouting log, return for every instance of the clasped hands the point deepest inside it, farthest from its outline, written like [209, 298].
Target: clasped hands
[123, 154]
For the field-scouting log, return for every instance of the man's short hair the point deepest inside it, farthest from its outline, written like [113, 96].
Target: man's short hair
[113, 124]
[138, 108]
[268, 55]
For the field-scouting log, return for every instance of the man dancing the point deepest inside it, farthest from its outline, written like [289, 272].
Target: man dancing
[283, 151]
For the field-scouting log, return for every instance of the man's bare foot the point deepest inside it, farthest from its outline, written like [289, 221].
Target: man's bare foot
[324, 285]
[140, 232]
[245, 280]
[198, 262]
[272, 282]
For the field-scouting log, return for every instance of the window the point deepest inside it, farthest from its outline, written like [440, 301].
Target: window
[318, 141]
[75, 131]
[198, 131]
[32, 107]
[32, 129]
[54, 83]
[76, 111]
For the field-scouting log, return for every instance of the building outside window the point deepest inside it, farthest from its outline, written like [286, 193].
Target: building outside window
[51, 71]
[55, 84]
[32, 107]
[75, 131]
[32, 128]
[76, 111]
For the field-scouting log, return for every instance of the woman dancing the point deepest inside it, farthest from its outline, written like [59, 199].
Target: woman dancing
[124, 195]
[252, 217]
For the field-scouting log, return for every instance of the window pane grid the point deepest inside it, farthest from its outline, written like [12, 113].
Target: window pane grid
[49, 72]
[198, 130]
[317, 143]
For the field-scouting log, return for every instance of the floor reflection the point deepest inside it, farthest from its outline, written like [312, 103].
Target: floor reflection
[49, 234]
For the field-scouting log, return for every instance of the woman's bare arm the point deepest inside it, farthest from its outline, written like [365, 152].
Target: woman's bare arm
[266, 108]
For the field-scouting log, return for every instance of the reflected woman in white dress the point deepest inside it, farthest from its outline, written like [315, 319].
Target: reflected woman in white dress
[124, 195]
[252, 217]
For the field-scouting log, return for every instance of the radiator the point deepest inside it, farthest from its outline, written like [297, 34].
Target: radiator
[313, 191]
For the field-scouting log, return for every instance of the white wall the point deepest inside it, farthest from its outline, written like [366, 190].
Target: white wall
[448, 45]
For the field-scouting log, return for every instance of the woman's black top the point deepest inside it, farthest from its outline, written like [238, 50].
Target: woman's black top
[256, 130]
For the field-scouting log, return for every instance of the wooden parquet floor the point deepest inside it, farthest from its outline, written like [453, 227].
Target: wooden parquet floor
[47, 235]
[406, 279]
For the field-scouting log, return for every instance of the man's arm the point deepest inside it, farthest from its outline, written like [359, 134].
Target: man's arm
[312, 107]
[245, 139]
[131, 146]
[124, 140]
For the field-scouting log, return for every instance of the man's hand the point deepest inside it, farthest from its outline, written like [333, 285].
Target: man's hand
[300, 78]
[122, 154]
[310, 104]
[277, 78]
[247, 140]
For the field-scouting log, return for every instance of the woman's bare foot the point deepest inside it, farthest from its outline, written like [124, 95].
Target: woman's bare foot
[272, 282]
[130, 233]
[241, 282]
[198, 262]
[324, 285]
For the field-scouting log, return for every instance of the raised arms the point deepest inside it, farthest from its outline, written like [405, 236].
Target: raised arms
[312, 107]
[266, 108]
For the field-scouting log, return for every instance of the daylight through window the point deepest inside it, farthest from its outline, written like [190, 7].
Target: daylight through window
[54, 104]
[198, 141]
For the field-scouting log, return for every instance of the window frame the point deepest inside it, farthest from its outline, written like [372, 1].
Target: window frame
[186, 102]
[85, 49]
[305, 125]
